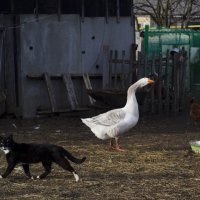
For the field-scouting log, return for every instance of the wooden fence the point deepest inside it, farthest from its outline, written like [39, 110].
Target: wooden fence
[167, 95]
[169, 72]
[119, 68]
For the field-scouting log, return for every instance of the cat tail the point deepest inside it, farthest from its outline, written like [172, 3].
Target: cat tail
[72, 158]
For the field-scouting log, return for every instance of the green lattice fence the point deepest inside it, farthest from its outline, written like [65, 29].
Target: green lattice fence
[160, 40]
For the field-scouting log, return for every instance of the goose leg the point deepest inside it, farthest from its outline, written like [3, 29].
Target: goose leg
[118, 147]
[111, 146]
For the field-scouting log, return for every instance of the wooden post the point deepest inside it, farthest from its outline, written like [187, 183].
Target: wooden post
[174, 84]
[15, 45]
[70, 91]
[145, 67]
[133, 15]
[82, 10]
[110, 68]
[139, 72]
[106, 67]
[178, 73]
[160, 84]
[88, 86]
[153, 89]
[167, 98]
[118, 12]
[36, 10]
[123, 71]
[59, 10]
[181, 65]
[133, 64]
[183, 77]
[50, 92]
[115, 69]
[106, 11]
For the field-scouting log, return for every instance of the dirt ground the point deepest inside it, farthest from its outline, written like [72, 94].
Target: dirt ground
[158, 163]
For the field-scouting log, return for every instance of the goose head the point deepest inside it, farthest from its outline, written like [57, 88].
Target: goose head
[144, 81]
[139, 84]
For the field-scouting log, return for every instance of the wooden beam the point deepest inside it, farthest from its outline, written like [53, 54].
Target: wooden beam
[110, 68]
[160, 100]
[39, 76]
[106, 67]
[36, 10]
[12, 6]
[132, 2]
[87, 82]
[50, 92]
[48, 111]
[153, 89]
[118, 12]
[59, 10]
[82, 10]
[70, 91]
[120, 61]
[123, 77]
[167, 83]
[88, 86]
[106, 7]
[115, 69]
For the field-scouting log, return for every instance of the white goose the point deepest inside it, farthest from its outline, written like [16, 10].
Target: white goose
[114, 123]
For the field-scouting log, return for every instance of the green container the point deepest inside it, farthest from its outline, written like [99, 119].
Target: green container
[195, 146]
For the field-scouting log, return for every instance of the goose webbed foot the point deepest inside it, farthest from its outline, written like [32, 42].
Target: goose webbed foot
[116, 146]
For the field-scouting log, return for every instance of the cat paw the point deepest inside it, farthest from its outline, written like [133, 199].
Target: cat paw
[76, 176]
[38, 177]
[1, 176]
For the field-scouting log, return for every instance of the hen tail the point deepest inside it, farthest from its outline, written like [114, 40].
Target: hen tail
[72, 158]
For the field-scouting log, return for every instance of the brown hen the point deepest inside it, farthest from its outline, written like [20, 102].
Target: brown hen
[194, 111]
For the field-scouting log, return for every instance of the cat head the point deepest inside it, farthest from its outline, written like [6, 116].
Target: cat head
[6, 143]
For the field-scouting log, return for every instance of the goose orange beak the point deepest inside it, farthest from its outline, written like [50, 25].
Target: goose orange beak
[150, 81]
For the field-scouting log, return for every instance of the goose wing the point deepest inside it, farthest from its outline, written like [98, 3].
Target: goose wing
[109, 118]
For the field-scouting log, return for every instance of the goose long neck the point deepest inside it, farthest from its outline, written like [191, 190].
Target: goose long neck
[131, 104]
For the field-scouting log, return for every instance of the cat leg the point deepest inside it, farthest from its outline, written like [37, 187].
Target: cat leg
[66, 165]
[9, 169]
[47, 167]
[26, 170]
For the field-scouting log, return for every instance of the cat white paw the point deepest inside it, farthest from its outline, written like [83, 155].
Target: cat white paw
[76, 176]
[1, 176]
[38, 177]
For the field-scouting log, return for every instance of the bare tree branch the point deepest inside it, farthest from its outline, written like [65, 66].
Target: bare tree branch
[165, 12]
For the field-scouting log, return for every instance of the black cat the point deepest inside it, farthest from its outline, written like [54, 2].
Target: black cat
[34, 153]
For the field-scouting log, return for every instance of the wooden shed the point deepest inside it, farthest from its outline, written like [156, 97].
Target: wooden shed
[49, 49]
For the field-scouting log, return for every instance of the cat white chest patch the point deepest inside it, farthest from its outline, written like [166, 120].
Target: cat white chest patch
[6, 151]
